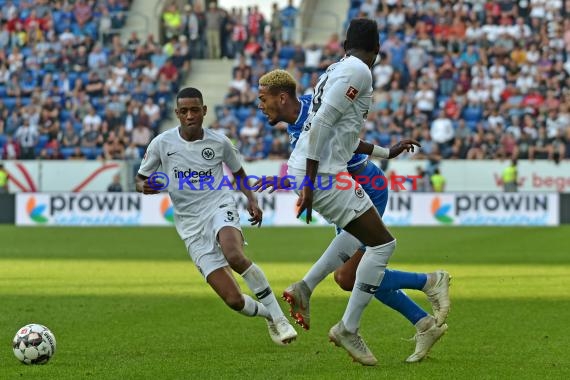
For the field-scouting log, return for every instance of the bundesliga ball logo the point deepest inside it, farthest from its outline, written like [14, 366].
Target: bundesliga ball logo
[34, 344]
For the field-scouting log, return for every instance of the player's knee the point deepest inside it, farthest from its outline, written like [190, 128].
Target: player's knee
[237, 260]
[343, 280]
[235, 301]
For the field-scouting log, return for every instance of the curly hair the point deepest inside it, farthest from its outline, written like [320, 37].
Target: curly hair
[279, 81]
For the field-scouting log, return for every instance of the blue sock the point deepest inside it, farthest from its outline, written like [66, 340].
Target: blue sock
[395, 279]
[399, 301]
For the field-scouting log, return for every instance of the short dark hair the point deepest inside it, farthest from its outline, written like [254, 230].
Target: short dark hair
[362, 34]
[189, 92]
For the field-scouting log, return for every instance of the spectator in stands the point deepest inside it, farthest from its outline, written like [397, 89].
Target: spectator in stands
[510, 177]
[172, 21]
[256, 153]
[213, 28]
[115, 186]
[191, 25]
[82, 13]
[141, 135]
[152, 110]
[169, 72]
[132, 152]
[252, 48]
[437, 182]
[11, 149]
[313, 55]
[288, 22]
[91, 137]
[276, 23]
[425, 99]
[113, 148]
[416, 59]
[382, 72]
[4, 176]
[27, 137]
[69, 138]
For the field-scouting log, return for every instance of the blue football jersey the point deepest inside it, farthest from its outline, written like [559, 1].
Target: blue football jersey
[294, 130]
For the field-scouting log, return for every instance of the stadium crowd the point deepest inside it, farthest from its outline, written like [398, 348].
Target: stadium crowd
[469, 79]
[70, 87]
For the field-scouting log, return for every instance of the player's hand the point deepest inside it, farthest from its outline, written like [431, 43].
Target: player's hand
[271, 182]
[407, 145]
[149, 188]
[255, 212]
[305, 202]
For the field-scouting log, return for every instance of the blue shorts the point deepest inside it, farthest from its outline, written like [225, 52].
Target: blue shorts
[377, 190]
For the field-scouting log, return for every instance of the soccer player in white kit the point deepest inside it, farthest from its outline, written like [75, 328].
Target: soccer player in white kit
[341, 101]
[205, 213]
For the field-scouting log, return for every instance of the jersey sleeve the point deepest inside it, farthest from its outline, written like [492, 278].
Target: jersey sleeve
[151, 161]
[344, 91]
[231, 155]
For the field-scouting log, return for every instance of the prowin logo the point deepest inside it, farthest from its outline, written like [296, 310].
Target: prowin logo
[35, 211]
[167, 210]
[440, 211]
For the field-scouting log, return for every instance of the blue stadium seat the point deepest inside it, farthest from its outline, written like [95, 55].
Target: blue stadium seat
[438, 61]
[90, 153]
[473, 114]
[64, 115]
[9, 102]
[42, 141]
[66, 151]
[441, 100]
[472, 125]
[286, 52]
[384, 139]
[3, 139]
[242, 113]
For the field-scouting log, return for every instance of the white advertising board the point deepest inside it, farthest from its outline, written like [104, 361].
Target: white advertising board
[32, 176]
[279, 209]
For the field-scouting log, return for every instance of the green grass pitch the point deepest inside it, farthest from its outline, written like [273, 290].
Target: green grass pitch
[127, 303]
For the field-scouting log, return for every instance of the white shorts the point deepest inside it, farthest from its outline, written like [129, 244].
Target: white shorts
[203, 247]
[337, 205]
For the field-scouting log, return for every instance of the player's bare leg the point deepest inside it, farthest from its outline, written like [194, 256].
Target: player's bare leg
[346, 274]
[231, 243]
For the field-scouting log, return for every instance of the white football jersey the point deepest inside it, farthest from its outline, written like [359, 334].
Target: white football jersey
[347, 86]
[197, 184]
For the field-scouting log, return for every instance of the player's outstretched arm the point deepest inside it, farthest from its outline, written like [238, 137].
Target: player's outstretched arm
[252, 207]
[395, 150]
[142, 185]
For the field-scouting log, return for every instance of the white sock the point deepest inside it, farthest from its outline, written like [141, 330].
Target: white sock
[252, 308]
[431, 279]
[368, 277]
[257, 282]
[337, 253]
[425, 323]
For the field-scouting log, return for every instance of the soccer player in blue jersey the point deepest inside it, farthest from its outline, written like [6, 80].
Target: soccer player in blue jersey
[278, 101]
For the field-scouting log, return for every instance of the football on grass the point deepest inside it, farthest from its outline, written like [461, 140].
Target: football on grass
[34, 344]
